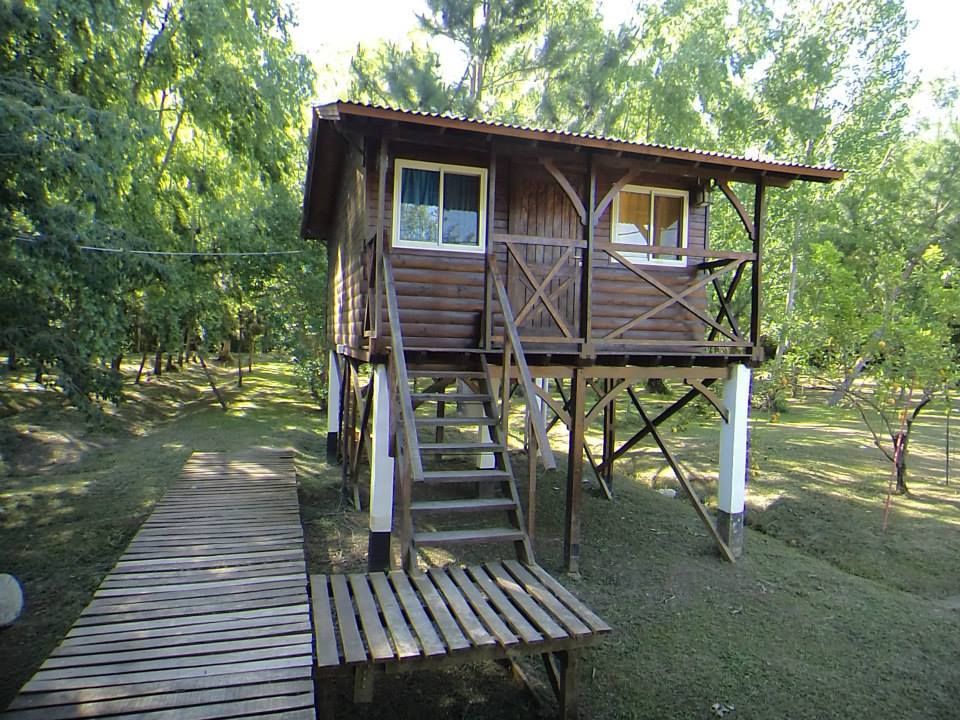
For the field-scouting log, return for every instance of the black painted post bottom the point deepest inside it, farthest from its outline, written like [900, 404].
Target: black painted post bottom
[378, 551]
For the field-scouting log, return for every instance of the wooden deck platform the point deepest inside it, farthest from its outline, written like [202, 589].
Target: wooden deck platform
[396, 622]
[206, 614]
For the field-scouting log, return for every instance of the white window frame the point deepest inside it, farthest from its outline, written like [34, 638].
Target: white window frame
[648, 258]
[399, 166]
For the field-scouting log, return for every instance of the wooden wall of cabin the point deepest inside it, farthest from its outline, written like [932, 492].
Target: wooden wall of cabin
[346, 256]
[441, 293]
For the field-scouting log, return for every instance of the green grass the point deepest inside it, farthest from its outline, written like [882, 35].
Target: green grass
[827, 616]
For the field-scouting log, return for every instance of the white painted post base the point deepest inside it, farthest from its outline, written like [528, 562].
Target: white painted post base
[731, 493]
[381, 473]
[333, 408]
[484, 460]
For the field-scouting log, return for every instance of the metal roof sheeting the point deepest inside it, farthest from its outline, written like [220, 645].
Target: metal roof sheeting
[821, 173]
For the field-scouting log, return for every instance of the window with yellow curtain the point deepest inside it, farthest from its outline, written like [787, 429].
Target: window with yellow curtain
[651, 217]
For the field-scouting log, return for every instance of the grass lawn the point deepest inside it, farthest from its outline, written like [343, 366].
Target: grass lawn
[827, 616]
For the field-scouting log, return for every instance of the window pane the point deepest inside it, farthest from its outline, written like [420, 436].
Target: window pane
[461, 209]
[419, 205]
[667, 221]
[633, 219]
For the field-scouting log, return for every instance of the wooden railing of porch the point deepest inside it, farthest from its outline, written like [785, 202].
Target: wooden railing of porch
[634, 307]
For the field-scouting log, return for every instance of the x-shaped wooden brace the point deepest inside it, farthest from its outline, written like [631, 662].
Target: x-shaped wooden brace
[673, 298]
[540, 288]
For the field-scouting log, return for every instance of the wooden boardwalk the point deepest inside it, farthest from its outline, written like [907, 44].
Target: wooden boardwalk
[206, 614]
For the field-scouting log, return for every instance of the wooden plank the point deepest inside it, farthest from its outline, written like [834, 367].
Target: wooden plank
[402, 638]
[516, 620]
[479, 635]
[353, 650]
[429, 640]
[545, 599]
[29, 701]
[531, 609]
[373, 631]
[570, 600]
[489, 616]
[441, 615]
[325, 636]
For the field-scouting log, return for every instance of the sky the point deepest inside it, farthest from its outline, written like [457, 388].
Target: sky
[330, 30]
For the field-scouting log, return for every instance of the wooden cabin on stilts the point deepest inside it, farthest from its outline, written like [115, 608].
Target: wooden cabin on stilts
[474, 266]
[463, 252]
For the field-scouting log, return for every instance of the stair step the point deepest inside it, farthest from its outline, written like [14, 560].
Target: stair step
[455, 476]
[463, 505]
[453, 421]
[464, 447]
[476, 535]
[451, 397]
[461, 374]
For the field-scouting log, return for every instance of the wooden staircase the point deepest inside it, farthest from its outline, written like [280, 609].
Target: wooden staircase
[468, 492]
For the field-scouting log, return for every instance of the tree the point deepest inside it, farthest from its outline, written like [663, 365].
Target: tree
[174, 126]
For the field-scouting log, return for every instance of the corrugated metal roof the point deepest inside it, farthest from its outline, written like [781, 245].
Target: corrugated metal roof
[800, 170]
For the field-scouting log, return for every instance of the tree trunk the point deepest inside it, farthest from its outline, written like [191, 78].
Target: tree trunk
[171, 366]
[11, 359]
[115, 364]
[239, 369]
[143, 361]
[38, 377]
[901, 463]
[158, 363]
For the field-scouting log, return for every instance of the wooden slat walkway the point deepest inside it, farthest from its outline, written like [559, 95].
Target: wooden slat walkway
[205, 615]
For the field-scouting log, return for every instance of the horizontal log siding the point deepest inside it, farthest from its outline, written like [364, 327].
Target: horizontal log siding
[350, 229]
[440, 293]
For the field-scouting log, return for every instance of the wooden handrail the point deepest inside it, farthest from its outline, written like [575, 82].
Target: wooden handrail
[526, 381]
[609, 247]
[399, 361]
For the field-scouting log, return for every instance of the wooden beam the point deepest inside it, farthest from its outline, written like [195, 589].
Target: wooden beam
[682, 479]
[574, 499]
[609, 437]
[612, 193]
[710, 397]
[383, 159]
[491, 227]
[567, 188]
[586, 282]
[523, 370]
[759, 211]
[738, 206]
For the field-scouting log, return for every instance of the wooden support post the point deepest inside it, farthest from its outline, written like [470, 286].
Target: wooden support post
[568, 662]
[383, 160]
[333, 406]
[381, 473]
[759, 211]
[586, 277]
[609, 436]
[488, 280]
[348, 437]
[733, 458]
[571, 536]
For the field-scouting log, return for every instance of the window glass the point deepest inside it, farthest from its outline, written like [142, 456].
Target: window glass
[649, 216]
[419, 205]
[461, 209]
[633, 222]
[667, 222]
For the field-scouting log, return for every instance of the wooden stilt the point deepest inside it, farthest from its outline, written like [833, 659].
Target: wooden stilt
[609, 437]
[571, 537]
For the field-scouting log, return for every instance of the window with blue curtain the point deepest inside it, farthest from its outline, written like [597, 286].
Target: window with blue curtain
[439, 207]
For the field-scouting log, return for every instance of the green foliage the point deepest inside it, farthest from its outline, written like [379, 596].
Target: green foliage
[174, 126]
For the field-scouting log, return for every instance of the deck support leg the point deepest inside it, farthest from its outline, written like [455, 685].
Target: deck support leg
[333, 407]
[363, 684]
[733, 458]
[381, 474]
[609, 436]
[562, 672]
[571, 535]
